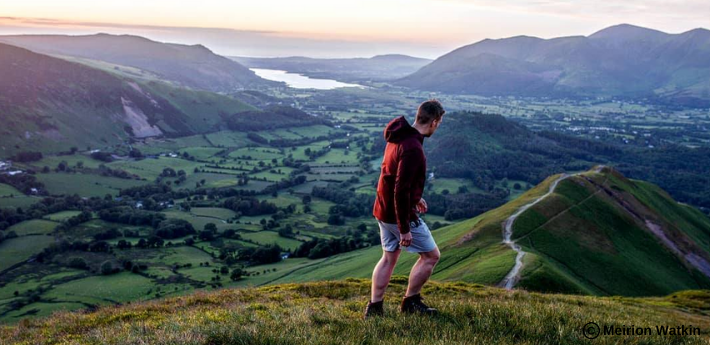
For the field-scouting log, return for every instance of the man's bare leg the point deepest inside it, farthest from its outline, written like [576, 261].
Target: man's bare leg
[421, 271]
[382, 274]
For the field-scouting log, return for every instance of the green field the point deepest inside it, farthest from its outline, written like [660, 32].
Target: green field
[452, 185]
[213, 212]
[20, 249]
[33, 227]
[60, 216]
[115, 288]
[21, 201]
[85, 184]
[7, 190]
[267, 237]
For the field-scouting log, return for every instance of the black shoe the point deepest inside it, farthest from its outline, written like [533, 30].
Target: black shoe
[374, 309]
[414, 304]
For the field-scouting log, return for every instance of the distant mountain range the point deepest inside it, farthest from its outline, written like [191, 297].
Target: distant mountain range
[50, 104]
[190, 66]
[619, 61]
[377, 68]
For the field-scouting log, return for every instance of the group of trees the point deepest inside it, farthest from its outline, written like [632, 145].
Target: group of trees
[320, 248]
[102, 156]
[249, 206]
[272, 117]
[25, 183]
[260, 255]
[464, 205]
[174, 228]
[26, 156]
[131, 216]
[348, 203]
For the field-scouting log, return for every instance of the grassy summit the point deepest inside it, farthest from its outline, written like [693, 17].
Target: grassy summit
[329, 312]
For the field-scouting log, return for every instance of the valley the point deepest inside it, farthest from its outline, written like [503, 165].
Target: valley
[125, 181]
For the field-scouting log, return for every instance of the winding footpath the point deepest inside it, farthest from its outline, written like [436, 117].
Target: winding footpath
[514, 275]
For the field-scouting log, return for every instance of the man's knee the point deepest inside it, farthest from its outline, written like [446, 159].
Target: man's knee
[431, 257]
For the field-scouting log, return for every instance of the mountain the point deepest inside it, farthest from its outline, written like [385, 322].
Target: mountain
[595, 233]
[377, 68]
[619, 61]
[330, 313]
[47, 102]
[192, 66]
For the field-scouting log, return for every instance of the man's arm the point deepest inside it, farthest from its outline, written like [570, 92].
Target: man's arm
[408, 163]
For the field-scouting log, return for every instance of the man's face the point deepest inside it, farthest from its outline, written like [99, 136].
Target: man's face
[433, 126]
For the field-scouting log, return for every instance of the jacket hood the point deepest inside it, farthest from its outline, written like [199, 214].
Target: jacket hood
[399, 129]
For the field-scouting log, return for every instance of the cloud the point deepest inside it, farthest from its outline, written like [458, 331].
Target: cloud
[628, 10]
[227, 41]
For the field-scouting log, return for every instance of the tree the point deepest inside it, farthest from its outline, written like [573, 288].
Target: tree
[78, 262]
[123, 244]
[236, 274]
[211, 227]
[174, 228]
[107, 268]
[206, 235]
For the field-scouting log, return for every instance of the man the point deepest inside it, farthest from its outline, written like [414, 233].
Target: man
[399, 199]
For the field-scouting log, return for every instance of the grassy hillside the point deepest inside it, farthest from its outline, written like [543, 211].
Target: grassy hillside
[46, 103]
[330, 312]
[580, 239]
[598, 227]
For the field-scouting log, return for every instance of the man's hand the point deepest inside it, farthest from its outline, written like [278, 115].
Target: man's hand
[405, 239]
[421, 206]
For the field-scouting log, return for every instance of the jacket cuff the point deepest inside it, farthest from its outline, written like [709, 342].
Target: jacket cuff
[403, 227]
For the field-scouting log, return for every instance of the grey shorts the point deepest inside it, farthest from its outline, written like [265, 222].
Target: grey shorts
[422, 241]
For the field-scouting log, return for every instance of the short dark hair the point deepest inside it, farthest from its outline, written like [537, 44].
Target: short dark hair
[429, 111]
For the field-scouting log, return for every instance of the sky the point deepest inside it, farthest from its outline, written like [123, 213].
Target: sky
[343, 28]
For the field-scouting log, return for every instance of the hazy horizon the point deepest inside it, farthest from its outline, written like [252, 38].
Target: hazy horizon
[316, 28]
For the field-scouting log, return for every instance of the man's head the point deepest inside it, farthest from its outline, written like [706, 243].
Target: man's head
[429, 117]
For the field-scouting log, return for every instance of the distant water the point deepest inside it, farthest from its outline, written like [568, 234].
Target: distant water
[299, 81]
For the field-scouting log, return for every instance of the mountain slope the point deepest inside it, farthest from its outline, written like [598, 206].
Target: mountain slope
[623, 60]
[46, 103]
[596, 233]
[330, 313]
[376, 68]
[192, 66]
[485, 148]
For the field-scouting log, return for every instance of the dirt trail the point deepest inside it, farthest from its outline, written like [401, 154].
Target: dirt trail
[514, 275]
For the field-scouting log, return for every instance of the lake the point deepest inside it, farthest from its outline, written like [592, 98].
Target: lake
[299, 81]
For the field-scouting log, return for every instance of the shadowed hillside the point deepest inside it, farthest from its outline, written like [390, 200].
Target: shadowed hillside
[46, 103]
[192, 66]
[331, 312]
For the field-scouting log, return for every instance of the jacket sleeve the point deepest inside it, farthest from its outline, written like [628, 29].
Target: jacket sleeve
[408, 163]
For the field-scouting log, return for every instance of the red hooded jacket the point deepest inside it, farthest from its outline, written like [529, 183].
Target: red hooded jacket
[402, 177]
